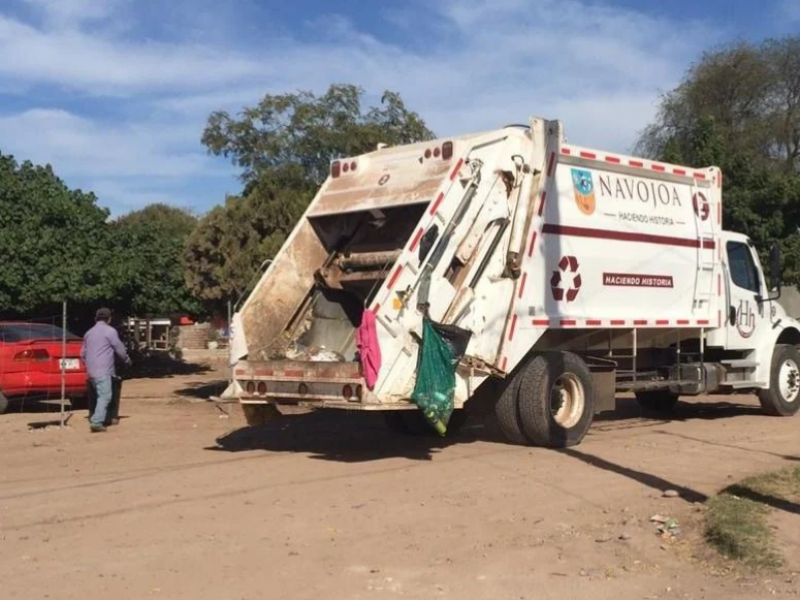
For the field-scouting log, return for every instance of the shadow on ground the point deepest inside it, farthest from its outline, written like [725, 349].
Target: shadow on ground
[160, 364]
[202, 390]
[353, 436]
[341, 436]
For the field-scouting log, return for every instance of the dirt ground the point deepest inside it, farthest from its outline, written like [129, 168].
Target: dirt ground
[180, 502]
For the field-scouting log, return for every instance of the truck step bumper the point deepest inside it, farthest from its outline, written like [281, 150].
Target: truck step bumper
[297, 382]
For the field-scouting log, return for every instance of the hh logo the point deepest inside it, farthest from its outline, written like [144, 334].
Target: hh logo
[583, 187]
[745, 319]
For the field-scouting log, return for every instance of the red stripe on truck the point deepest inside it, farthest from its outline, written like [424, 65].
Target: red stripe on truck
[541, 202]
[416, 240]
[662, 322]
[532, 245]
[617, 322]
[550, 162]
[522, 285]
[566, 151]
[640, 322]
[541, 322]
[636, 163]
[568, 322]
[626, 236]
[590, 155]
[594, 322]
[459, 164]
[612, 159]
[395, 276]
[435, 205]
[659, 168]
[513, 328]
[699, 176]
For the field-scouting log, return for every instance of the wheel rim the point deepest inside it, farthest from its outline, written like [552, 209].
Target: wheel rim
[567, 400]
[789, 381]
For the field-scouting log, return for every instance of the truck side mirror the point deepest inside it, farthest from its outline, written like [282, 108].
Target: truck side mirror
[775, 268]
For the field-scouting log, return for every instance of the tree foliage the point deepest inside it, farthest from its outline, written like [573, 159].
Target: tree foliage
[146, 268]
[284, 146]
[58, 245]
[738, 108]
[53, 240]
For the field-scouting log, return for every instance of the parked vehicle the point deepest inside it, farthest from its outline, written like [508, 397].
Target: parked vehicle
[579, 273]
[30, 363]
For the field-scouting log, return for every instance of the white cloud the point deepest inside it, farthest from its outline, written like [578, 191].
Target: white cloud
[76, 146]
[466, 65]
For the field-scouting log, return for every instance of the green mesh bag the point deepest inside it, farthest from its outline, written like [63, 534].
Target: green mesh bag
[443, 346]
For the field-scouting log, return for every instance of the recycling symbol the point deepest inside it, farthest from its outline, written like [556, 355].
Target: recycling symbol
[700, 204]
[566, 281]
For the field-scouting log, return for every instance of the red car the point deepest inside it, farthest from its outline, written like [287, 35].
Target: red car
[30, 363]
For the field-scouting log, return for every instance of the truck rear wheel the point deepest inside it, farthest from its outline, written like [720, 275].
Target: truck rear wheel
[782, 398]
[507, 412]
[3, 403]
[658, 401]
[258, 415]
[556, 399]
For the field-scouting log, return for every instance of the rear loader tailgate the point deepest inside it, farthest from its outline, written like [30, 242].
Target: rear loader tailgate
[293, 382]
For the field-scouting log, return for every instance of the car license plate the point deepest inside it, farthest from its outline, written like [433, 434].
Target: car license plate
[70, 364]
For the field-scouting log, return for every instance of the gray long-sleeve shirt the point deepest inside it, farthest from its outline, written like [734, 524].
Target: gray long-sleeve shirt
[100, 344]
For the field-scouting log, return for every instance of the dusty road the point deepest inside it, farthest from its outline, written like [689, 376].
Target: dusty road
[177, 502]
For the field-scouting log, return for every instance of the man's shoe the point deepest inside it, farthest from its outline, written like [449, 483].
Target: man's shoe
[98, 428]
[115, 421]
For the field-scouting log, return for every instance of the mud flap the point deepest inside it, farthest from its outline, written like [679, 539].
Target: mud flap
[443, 347]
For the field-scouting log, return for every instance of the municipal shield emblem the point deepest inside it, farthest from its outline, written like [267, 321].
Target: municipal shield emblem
[583, 186]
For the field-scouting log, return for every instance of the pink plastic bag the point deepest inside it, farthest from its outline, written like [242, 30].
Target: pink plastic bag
[368, 348]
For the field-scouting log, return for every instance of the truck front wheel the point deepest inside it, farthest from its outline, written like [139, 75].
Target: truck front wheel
[782, 397]
[556, 399]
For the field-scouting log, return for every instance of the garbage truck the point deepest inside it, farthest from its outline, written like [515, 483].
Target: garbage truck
[566, 276]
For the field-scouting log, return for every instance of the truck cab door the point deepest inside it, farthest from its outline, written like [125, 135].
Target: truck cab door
[748, 310]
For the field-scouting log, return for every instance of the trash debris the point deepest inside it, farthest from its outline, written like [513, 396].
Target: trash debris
[659, 519]
[300, 352]
[668, 527]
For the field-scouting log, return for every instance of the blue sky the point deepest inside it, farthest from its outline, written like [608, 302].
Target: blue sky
[115, 93]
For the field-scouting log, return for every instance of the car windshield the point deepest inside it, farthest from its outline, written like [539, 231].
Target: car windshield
[23, 332]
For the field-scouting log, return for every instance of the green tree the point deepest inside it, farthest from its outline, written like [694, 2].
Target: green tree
[53, 240]
[739, 108]
[146, 267]
[284, 146]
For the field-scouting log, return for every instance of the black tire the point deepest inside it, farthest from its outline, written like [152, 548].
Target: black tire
[506, 412]
[785, 365]
[412, 422]
[657, 401]
[544, 377]
[3, 403]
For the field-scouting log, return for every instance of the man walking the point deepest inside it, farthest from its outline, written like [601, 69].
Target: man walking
[100, 344]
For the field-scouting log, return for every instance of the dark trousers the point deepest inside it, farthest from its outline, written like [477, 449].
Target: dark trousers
[113, 407]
